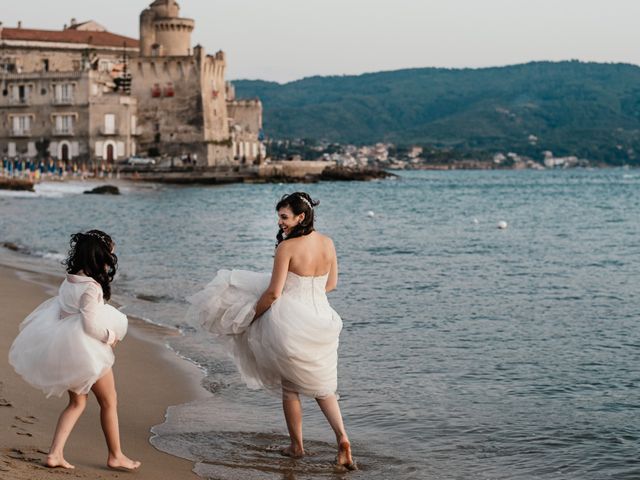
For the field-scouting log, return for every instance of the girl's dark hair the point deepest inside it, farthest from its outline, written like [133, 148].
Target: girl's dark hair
[298, 202]
[91, 253]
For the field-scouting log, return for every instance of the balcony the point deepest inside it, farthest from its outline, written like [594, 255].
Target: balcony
[63, 132]
[21, 133]
[63, 100]
[108, 131]
[19, 102]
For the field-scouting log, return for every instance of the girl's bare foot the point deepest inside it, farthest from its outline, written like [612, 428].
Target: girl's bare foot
[344, 458]
[122, 462]
[55, 461]
[293, 451]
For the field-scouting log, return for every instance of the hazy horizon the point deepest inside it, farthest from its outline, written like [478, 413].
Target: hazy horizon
[286, 40]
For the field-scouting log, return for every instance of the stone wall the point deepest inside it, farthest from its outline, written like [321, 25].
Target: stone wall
[246, 120]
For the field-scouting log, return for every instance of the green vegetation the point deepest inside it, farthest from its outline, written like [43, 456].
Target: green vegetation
[590, 110]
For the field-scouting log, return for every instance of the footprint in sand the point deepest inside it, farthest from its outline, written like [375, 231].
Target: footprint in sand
[28, 420]
[21, 431]
[3, 401]
[18, 454]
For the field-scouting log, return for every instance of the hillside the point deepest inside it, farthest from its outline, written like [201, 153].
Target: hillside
[571, 108]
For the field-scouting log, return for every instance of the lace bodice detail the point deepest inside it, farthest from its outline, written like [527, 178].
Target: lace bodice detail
[307, 288]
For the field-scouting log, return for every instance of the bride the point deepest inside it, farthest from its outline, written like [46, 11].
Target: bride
[280, 329]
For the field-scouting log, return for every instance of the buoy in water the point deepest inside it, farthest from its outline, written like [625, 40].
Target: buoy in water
[371, 214]
[502, 225]
[476, 221]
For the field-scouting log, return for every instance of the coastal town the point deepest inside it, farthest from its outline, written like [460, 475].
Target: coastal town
[85, 102]
[391, 157]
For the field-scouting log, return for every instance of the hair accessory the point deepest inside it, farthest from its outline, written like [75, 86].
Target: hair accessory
[305, 201]
[98, 236]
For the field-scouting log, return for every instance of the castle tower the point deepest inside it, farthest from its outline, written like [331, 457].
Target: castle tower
[163, 32]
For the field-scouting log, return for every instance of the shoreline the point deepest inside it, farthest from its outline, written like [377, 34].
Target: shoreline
[150, 377]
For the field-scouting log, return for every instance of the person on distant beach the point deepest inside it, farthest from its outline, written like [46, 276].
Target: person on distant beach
[280, 329]
[66, 345]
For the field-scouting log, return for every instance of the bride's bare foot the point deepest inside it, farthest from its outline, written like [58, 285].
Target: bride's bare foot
[292, 451]
[55, 461]
[122, 462]
[344, 458]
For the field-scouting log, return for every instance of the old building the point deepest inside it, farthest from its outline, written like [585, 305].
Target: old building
[245, 117]
[58, 97]
[86, 94]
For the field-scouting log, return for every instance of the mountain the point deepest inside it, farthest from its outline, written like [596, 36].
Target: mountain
[591, 110]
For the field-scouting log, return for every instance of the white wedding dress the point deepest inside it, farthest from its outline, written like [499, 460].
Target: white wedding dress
[293, 345]
[64, 344]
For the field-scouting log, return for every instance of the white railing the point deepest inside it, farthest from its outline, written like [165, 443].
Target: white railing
[108, 131]
[24, 132]
[63, 131]
[19, 101]
[63, 101]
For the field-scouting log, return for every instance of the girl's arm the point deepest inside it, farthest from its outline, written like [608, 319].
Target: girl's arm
[89, 304]
[332, 281]
[278, 277]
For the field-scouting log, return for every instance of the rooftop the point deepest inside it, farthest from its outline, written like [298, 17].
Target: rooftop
[95, 38]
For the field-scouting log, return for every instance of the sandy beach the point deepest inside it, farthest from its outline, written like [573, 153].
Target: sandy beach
[149, 378]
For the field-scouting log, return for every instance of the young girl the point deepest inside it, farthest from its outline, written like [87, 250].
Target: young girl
[66, 344]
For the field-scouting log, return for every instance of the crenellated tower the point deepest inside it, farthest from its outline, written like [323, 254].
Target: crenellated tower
[163, 32]
[182, 93]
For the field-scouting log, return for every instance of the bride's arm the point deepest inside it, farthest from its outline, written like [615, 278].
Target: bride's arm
[332, 281]
[278, 277]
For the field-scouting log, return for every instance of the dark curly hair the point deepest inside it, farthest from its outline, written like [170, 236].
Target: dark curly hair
[92, 253]
[298, 202]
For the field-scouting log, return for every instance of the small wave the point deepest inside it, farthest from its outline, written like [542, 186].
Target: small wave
[256, 456]
[24, 250]
[53, 189]
[58, 257]
[152, 298]
[52, 256]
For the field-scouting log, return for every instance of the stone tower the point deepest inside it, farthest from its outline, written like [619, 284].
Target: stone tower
[182, 109]
[163, 32]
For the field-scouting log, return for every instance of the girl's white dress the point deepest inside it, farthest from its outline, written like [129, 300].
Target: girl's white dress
[65, 343]
[293, 345]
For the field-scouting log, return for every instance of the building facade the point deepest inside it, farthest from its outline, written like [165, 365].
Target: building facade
[85, 94]
[67, 116]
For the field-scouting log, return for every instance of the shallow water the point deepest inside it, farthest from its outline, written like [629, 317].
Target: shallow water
[467, 351]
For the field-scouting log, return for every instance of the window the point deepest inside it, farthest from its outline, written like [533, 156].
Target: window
[105, 66]
[8, 65]
[20, 94]
[134, 124]
[45, 65]
[65, 124]
[21, 125]
[64, 93]
[109, 124]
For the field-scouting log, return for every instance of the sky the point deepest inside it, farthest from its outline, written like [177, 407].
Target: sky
[285, 40]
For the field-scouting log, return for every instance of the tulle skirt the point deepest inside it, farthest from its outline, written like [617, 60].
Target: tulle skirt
[56, 355]
[293, 345]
